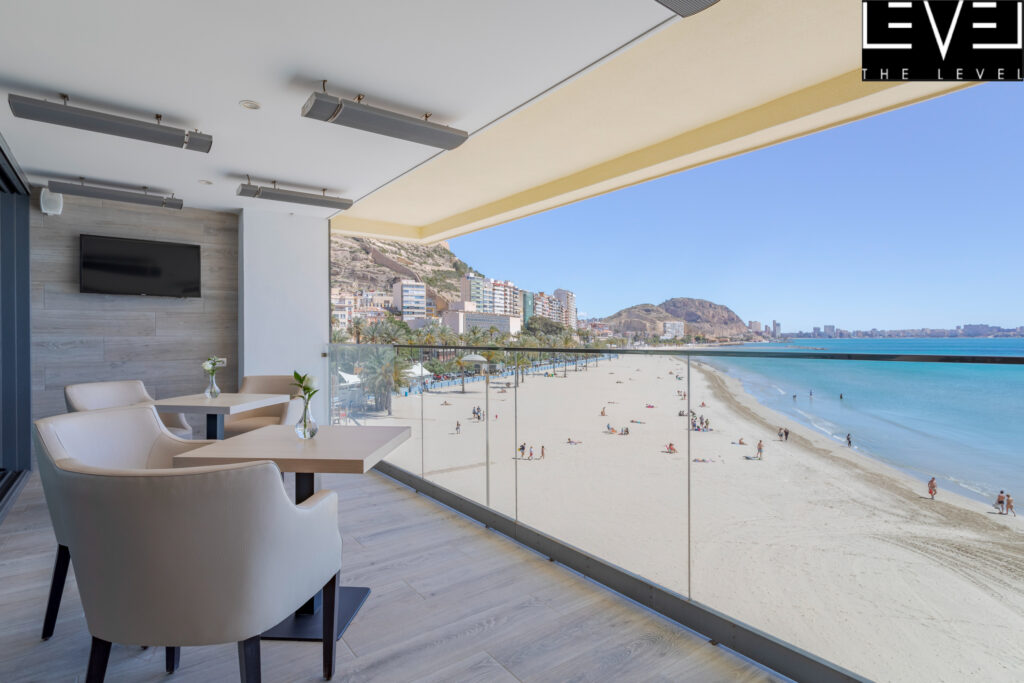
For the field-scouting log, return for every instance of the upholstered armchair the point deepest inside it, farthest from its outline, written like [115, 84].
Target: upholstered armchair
[286, 413]
[118, 394]
[130, 439]
[186, 556]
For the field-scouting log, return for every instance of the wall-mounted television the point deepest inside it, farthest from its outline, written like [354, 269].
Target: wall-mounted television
[115, 265]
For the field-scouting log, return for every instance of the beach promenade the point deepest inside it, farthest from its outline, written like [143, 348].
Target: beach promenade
[816, 544]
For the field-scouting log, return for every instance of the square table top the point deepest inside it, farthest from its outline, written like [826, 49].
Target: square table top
[225, 404]
[338, 449]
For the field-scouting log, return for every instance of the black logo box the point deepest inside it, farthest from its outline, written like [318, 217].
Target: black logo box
[942, 40]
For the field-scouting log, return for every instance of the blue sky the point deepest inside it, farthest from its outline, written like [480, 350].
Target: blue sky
[908, 219]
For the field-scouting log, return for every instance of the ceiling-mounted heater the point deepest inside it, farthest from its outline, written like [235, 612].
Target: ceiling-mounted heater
[687, 8]
[99, 122]
[355, 114]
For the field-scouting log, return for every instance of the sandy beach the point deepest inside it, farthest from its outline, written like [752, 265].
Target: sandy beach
[816, 544]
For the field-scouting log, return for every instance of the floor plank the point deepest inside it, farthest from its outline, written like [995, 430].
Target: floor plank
[451, 601]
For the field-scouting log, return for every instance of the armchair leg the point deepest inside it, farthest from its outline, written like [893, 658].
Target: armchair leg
[60, 575]
[172, 658]
[249, 659]
[330, 625]
[98, 657]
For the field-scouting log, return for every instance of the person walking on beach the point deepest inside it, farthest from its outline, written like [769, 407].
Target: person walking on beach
[780, 433]
[458, 427]
[932, 487]
[1001, 503]
[531, 453]
[542, 452]
[849, 441]
[760, 449]
[785, 433]
[1009, 505]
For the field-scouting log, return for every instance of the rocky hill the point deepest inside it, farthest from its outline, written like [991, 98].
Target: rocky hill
[359, 263]
[702, 317]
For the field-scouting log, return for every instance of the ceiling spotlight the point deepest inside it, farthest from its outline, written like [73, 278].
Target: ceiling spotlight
[355, 114]
[687, 8]
[98, 122]
[278, 195]
[115, 195]
[249, 104]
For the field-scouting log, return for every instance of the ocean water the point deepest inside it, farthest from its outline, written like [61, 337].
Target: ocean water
[962, 424]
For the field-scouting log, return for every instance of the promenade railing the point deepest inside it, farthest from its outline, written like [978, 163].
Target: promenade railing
[822, 560]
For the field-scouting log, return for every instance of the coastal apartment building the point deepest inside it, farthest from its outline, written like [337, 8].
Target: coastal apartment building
[548, 306]
[491, 296]
[463, 316]
[568, 301]
[526, 305]
[410, 298]
[343, 304]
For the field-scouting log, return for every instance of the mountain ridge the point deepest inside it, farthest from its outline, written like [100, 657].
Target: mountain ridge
[702, 317]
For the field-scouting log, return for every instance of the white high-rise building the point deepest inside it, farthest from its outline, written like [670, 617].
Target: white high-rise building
[410, 297]
[568, 301]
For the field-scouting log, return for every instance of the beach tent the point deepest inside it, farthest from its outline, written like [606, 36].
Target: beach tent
[349, 379]
[417, 370]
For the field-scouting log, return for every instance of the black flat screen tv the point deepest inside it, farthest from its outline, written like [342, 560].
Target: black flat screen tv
[115, 265]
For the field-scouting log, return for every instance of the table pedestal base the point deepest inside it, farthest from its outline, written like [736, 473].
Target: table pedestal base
[310, 626]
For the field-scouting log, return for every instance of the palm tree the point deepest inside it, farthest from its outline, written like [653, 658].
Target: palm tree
[356, 327]
[461, 364]
[520, 361]
[339, 336]
[382, 372]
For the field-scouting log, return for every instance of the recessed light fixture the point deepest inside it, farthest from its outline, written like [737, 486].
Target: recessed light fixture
[206, 182]
[249, 104]
[355, 114]
[99, 122]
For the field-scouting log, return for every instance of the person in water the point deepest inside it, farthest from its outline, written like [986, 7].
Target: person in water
[1001, 503]
[849, 441]
[1009, 505]
[932, 488]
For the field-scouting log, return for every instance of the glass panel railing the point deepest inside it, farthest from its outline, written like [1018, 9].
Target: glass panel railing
[671, 465]
[603, 477]
[372, 384]
[454, 453]
[819, 528]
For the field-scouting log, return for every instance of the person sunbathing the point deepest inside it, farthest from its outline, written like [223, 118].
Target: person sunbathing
[741, 442]
[671, 448]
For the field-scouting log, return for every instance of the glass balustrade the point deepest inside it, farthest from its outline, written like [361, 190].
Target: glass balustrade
[726, 477]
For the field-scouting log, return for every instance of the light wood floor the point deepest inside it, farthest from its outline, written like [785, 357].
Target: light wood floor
[451, 601]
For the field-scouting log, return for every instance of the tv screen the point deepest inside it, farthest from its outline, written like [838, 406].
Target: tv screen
[115, 265]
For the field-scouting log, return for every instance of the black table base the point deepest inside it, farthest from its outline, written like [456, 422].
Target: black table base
[310, 626]
[306, 623]
[215, 426]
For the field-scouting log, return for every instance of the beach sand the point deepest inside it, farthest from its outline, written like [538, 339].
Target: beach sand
[816, 544]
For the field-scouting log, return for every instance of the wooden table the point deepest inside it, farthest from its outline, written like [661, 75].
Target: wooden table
[216, 408]
[335, 449]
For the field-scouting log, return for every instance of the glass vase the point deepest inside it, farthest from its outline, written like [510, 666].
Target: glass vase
[212, 391]
[306, 426]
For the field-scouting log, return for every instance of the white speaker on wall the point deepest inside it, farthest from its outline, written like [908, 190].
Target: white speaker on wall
[51, 203]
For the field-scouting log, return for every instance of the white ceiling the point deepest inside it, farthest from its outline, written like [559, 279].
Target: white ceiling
[467, 62]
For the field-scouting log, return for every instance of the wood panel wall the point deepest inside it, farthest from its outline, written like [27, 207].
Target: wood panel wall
[94, 337]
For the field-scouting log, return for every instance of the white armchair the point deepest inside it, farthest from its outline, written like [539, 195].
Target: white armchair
[118, 394]
[283, 414]
[131, 438]
[187, 556]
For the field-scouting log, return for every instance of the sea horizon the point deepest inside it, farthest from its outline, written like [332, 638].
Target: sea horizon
[959, 423]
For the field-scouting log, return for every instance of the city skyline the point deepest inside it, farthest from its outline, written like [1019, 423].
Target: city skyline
[913, 226]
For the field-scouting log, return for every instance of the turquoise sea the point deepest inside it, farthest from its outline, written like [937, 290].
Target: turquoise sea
[963, 424]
